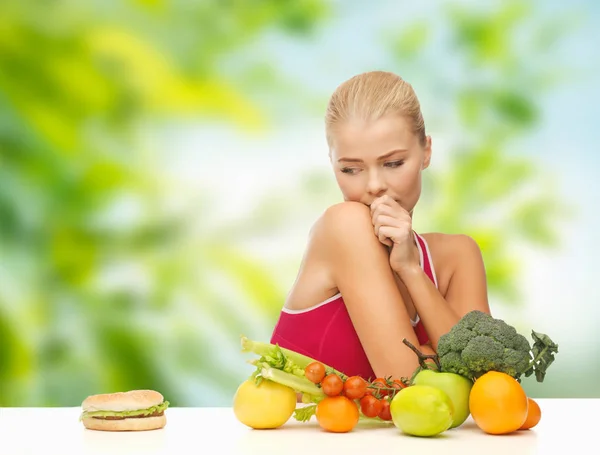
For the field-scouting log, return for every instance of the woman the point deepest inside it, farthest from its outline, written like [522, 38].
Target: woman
[367, 280]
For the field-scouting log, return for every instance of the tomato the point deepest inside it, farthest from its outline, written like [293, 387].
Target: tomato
[397, 385]
[379, 382]
[337, 414]
[385, 413]
[355, 387]
[370, 406]
[332, 385]
[315, 372]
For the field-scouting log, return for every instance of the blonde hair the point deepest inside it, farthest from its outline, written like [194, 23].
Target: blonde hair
[371, 95]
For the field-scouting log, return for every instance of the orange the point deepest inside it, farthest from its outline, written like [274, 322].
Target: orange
[534, 415]
[498, 403]
[337, 414]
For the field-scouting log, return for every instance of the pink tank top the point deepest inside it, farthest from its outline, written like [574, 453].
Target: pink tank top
[325, 331]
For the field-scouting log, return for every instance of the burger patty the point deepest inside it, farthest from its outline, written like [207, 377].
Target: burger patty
[154, 414]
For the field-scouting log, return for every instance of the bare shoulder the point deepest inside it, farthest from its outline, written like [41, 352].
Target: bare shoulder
[451, 253]
[443, 245]
[462, 275]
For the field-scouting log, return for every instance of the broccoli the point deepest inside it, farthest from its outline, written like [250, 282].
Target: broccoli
[479, 343]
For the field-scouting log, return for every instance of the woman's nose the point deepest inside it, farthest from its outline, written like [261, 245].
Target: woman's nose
[376, 185]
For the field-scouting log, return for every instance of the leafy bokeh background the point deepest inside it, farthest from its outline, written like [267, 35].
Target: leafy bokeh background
[161, 163]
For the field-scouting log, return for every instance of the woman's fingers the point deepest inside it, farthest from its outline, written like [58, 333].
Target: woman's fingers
[386, 220]
[394, 210]
[379, 223]
[390, 221]
[386, 235]
[401, 226]
[397, 234]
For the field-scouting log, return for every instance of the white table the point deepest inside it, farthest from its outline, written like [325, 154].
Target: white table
[49, 431]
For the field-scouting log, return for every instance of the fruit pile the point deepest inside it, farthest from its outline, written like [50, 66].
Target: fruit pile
[499, 405]
[338, 411]
[433, 401]
[420, 410]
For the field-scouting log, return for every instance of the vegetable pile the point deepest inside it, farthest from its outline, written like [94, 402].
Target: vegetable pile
[477, 371]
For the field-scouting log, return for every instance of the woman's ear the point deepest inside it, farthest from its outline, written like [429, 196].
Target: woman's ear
[427, 154]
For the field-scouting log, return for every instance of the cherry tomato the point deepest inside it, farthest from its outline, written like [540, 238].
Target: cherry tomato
[370, 406]
[332, 385]
[379, 382]
[399, 382]
[398, 385]
[355, 387]
[315, 372]
[385, 413]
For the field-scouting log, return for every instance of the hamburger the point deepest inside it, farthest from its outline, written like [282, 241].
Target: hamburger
[136, 410]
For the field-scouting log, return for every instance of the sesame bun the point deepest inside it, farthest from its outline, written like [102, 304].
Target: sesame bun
[134, 400]
[133, 424]
[122, 401]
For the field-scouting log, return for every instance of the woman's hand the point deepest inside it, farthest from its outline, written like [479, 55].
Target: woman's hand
[393, 227]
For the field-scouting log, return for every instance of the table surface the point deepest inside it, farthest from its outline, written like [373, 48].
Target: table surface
[49, 431]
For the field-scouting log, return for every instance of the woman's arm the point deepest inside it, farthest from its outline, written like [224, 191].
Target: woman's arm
[467, 289]
[359, 266]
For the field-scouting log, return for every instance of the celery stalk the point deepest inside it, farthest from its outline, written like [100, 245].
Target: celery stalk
[266, 349]
[290, 380]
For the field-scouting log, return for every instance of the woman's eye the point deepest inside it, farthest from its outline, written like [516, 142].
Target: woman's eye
[395, 163]
[348, 170]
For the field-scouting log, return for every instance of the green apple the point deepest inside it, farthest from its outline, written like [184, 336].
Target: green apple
[457, 387]
[422, 410]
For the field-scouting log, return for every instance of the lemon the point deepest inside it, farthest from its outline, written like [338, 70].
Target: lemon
[264, 406]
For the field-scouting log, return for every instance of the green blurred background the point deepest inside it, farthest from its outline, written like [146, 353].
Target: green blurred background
[161, 163]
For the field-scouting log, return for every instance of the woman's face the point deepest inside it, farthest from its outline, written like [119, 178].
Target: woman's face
[378, 158]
